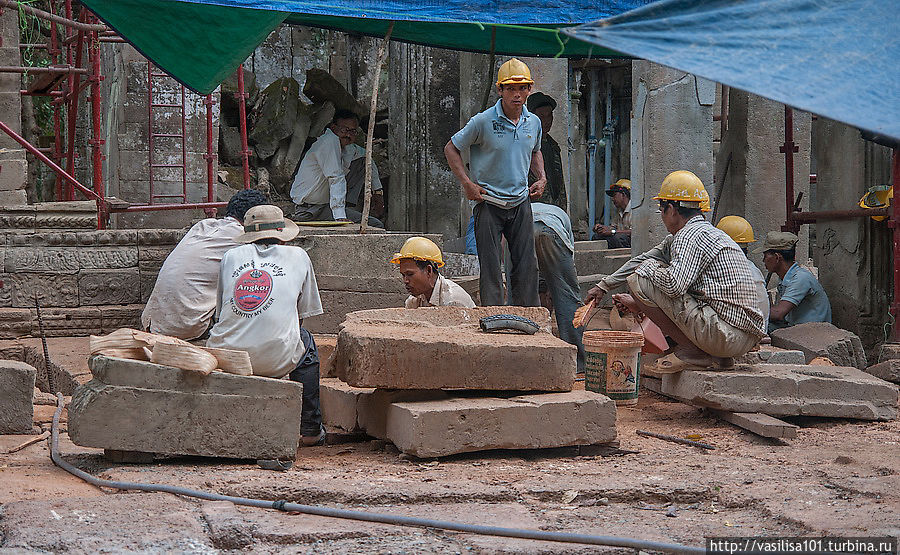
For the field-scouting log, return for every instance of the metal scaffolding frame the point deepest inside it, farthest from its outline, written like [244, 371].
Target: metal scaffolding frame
[62, 81]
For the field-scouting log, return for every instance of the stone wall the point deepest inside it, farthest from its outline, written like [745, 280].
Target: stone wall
[13, 167]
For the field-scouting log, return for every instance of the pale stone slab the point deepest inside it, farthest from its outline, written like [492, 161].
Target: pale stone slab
[340, 404]
[444, 348]
[352, 254]
[820, 339]
[16, 392]
[787, 390]
[888, 370]
[461, 425]
[139, 406]
[338, 304]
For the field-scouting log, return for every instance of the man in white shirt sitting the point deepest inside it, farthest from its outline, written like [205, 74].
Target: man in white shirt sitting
[265, 291]
[183, 300]
[419, 260]
[320, 188]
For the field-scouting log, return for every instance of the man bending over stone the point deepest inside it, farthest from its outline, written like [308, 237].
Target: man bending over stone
[183, 300]
[265, 291]
[419, 260]
[696, 285]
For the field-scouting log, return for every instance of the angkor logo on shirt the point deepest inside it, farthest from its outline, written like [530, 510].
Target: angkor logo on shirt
[252, 289]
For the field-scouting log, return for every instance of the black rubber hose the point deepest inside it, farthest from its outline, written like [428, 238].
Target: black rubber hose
[395, 520]
[500, 322]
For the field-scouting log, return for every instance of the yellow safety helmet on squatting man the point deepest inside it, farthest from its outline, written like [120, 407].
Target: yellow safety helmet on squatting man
[514, 72]
[419, 248]
[739, 229]
[686, 188]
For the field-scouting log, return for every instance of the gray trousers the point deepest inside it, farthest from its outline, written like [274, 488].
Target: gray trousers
[557, 266]
[317, 212]
[517, 226]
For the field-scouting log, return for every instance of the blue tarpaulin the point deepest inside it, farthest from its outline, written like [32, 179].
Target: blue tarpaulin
[835, 58]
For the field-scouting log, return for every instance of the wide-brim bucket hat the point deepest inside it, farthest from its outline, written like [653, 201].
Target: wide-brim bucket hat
[267, 221]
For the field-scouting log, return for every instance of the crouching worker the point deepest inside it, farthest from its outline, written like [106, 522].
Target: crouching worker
[419, 260]
[696, 285]
[265, 291]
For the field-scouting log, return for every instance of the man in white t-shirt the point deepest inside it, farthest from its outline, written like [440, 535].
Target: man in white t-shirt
[184, 297]
[265, 291]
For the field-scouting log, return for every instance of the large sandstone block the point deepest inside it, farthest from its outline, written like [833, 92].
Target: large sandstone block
[356, 255]
[462, 425]
[340, 404]
[888, 370]
[820, 339]
[338, 304]
[139, 406]
[788, 390]
[444, 348]
[16, 392]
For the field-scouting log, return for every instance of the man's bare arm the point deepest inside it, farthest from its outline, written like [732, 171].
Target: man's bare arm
[454, 159]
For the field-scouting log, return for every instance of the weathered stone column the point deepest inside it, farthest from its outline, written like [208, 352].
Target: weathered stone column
[424, 106]
[754, 184]
[671, 129]
[13, 167]
[853, 256]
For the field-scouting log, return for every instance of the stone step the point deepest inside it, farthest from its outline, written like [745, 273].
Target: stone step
[443, 348]
[139, 406]
[787, 390]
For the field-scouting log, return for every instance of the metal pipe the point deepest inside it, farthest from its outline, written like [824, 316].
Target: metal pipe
[895, 225]
[241, 97]
[607, 151]
[365, 516]
[57, 111]
[789, 148]
[809, 217]
[210, 157]
[593, 98]
[43, 158]
[51, 17]
[160, 207]
[23, 69]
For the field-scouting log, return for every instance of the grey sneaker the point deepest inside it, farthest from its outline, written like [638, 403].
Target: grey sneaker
[312, 441]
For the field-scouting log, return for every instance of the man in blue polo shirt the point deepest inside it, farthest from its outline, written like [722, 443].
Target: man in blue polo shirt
[504, 142]
[801, 297]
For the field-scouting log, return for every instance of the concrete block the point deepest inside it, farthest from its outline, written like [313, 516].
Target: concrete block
[787, 390]
[17, 387]
[340, 404]
[338, 304]
[888, 370]
[462, 425]
[444, 348]
[139, 406]
[820, 339]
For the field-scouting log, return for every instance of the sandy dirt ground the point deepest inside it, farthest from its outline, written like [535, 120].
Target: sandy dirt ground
[838, 477]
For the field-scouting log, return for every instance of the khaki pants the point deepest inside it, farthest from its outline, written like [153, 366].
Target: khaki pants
[701, 324]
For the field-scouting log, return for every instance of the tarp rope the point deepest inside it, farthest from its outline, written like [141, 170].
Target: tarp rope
[396, 520]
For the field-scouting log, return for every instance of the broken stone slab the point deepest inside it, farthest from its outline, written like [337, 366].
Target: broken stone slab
[340, 404]
[444, 348]
[787, 390]
[321, 86]
[821, 339]
[16, 391]
[465, 424]
[770, 355]
[889, 351]
[888, 370]
[133, 405]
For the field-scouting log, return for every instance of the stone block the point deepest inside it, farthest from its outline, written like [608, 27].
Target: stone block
[139, 406]
[592, 257]
[20, 289]
[338, 304]
[770, 355]
[157, 237]
[13, 175]
[888, 370]
[148, 282]
[17, 217]
[461, 425]
[820, 339]
[98, 287]
[361, 284]
[340, 404]
[443, 348]
[787, 390]
[356, 255]
[108, 258]
[67, 322]
[13, 198]
[115, 317]
[14, 322]
[373, 408]
[17, 387]
[889, 351]
[41, 259]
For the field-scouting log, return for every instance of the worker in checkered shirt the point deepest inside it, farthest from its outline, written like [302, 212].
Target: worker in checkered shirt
[696, 285]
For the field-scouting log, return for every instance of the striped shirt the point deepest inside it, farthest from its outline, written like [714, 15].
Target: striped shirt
[702, 261]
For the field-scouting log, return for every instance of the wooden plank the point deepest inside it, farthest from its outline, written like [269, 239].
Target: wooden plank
[760, 424]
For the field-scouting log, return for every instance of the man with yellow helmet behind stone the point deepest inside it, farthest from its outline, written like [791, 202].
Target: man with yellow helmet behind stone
[741, 232]
[419, 260]
[695, 285]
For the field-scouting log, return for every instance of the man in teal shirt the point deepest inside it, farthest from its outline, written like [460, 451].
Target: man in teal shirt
[504, 142]
[801, 297]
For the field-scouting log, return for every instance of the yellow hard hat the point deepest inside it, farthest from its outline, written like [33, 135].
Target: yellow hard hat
[685, 187]
[877, 197]
[514, 72]
[704, 204]
[623, 183]
[739, 229]
[419, 248]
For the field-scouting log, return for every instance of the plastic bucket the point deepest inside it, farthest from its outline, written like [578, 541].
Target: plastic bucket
[613, 364]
